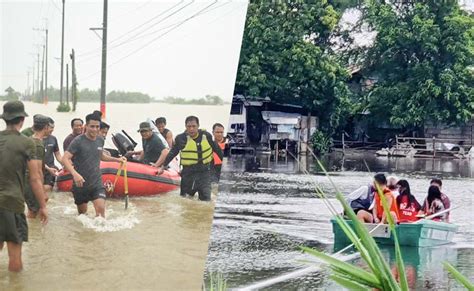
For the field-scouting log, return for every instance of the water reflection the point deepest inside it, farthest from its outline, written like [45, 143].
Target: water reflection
[364, 162]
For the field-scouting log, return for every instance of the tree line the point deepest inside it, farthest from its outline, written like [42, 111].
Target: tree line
[418, 69]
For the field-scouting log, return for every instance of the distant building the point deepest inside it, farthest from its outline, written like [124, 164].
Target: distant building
[259, 124]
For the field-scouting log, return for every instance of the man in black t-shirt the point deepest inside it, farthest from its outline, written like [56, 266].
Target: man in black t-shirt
[154, 151]
[86, 152]
[51, 148]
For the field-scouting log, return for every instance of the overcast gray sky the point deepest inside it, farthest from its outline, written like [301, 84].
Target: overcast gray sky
[163, 48]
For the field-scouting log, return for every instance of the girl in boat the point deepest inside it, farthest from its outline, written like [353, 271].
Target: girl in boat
[408, 206]
[434, 204]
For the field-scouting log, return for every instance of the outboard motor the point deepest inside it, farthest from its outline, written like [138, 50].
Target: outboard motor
[123, 143]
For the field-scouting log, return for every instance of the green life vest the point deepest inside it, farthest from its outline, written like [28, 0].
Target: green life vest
[190, 154]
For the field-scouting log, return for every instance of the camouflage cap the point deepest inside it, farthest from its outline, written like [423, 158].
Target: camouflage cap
[12, 110]
[40, 119]
[144, 126]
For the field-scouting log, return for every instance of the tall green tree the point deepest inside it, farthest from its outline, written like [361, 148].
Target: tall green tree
[423, 57]
[286, 55]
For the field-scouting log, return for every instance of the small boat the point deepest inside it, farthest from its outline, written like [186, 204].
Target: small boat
[422, 233]
[142, 180]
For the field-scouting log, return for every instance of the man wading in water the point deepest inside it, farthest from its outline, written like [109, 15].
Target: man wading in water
[40, 130]
[86, 152]
[196, 147]
[17, 153]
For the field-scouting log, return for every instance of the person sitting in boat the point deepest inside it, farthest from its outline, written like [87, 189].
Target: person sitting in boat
[103, 131]
[392, 185]
[444, 198]
[434, 204]
[378, 211]
[361, 199]
[154, 151]
[165, 132]
[407, 204]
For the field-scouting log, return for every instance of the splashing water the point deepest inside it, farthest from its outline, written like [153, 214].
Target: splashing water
[114, 221]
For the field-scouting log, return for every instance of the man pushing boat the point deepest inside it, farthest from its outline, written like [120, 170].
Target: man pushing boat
[86, 152]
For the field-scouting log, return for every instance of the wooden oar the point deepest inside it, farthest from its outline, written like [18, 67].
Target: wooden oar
[437, 213]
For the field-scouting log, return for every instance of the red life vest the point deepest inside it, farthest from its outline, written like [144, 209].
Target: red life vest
[378, 203]
[407, 211]
[217, 160]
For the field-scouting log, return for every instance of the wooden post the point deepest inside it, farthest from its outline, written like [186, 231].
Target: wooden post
[286, 153]
[434, 147]
[308, 134]
[396, 141]
[343, 145]
[276, 151]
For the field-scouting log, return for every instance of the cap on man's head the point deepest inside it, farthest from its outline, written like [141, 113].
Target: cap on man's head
[40, 119]
[144, 126]
[12, 110]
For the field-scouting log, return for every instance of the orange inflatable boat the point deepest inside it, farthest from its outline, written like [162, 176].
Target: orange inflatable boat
[142, 180]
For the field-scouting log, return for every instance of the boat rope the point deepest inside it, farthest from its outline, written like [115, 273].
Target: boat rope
[125, 183]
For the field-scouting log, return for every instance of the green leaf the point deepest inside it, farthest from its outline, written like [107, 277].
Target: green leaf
[458, 276]
[351, 285]
[347, 268]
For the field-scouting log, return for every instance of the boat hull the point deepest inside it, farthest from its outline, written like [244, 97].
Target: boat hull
[142, 180]
[424, 233]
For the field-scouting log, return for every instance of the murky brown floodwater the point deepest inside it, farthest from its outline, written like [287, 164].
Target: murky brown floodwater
[159, 242]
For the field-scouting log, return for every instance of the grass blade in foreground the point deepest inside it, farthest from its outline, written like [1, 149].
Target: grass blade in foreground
[458, 276]
[381, 277]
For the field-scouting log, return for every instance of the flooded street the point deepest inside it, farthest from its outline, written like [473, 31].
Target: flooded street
[159, 242]
[263, 216]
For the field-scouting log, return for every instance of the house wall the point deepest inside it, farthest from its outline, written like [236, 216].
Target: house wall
[465, 132]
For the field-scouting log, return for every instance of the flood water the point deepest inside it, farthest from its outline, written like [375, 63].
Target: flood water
[264, 214]
[159, 242]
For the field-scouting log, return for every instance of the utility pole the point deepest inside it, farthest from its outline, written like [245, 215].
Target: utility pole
[27, 83]
[74, 82]
[46, 70]
[62, 59]
[67, 84]
[42, 75]
[104, 59]
[33, 83]
[38, 74]
[44, 95]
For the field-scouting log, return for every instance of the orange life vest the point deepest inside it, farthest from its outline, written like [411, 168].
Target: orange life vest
[217, 160]
[407, 211]
[378, 203]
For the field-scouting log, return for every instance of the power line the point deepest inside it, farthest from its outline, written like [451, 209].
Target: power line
[129, 12]
[137, 27]
[163, 28]
[155, 39]
[55, 5]
[231, 11]
[153, 32]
